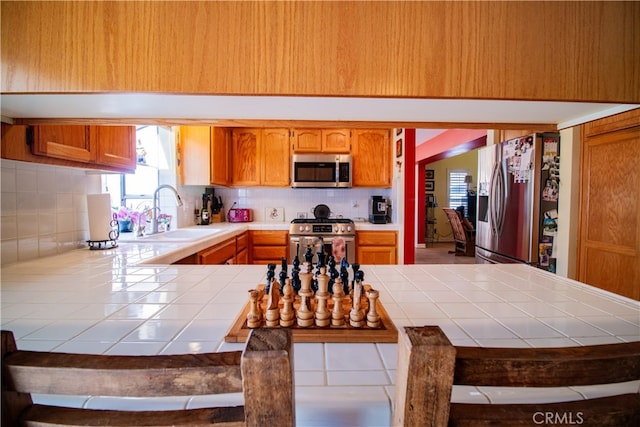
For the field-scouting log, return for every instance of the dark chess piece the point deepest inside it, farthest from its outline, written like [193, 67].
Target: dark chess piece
[296, 283]
[283, 280]
[296, 263]
[271, 274]
[284, 265]
[308, 257]
[356, 269]
[333, 274]
[314, 284]
[321, 258]
[344, 276]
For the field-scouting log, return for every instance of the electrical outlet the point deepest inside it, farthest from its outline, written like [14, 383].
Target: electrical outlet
[302, 215]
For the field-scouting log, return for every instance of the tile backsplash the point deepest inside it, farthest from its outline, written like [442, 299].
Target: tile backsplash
[43, 209]
[349, 203]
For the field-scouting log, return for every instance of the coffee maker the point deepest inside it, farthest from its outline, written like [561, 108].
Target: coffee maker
[379, 210]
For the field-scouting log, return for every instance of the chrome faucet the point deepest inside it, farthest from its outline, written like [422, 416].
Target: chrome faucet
[156, 208]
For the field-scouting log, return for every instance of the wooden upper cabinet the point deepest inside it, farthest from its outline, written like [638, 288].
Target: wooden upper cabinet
[204, 155]
[336, 140]
[275, 158]
[246, 155]
[261, 157]
[220, 156]
[307, 140]
[68, 142]
[115, 145]
[321, 140]
[371, 161]
[110, 146]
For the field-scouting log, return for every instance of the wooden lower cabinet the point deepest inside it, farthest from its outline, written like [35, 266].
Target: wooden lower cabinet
[222, 253]
[377, 247]
[268, 246]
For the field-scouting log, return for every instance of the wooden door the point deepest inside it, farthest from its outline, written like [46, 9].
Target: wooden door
[371, 158]
[307, 140]
[115, 146]
[69, 142]
[609, 237]
[336, 140]
[219, 156]
[275, 158]
[246, 155]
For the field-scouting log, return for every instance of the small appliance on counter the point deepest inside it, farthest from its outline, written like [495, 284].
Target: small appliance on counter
[239, 214]
[379, 210]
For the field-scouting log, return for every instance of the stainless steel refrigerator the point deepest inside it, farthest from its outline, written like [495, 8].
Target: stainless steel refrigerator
[518, 201]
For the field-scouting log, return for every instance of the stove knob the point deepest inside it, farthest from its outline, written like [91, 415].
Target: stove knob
[348, 228]
[307, 228]
[335, 228]
[342, 228]
[301, 228]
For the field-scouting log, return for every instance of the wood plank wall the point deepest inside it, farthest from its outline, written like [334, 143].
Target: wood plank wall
[571, 51]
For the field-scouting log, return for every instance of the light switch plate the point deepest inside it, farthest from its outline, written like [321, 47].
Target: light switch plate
[274, 214]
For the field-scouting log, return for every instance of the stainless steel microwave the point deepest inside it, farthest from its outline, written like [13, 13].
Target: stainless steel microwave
[321, 171]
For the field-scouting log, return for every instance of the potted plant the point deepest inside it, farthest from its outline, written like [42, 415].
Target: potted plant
[126, 218]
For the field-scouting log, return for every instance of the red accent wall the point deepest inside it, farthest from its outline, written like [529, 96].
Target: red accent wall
[449, 141]
[409, 195]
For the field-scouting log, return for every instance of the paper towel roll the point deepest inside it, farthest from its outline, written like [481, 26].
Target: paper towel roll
[100, 216]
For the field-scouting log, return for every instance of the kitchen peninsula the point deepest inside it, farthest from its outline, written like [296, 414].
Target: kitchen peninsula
[130, 300]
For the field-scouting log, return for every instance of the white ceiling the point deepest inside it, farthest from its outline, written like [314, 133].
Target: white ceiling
[205, 107]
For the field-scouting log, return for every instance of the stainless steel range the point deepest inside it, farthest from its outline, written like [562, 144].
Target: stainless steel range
[336, 236]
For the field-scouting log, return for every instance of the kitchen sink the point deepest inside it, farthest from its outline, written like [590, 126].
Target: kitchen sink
[179, 235]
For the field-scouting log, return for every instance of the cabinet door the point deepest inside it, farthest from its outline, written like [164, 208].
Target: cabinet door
[115, 146]
[69, 142]
[246, 155]
[219, 156]
[376, 255]
[307, 140]
[275, 158]
[371, 158]
[193, 164]
[336, 140]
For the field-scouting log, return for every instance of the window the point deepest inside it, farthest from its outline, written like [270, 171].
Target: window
[135, 190]
[458, 189]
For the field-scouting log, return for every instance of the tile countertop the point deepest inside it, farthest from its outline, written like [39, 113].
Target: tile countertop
[117, 302]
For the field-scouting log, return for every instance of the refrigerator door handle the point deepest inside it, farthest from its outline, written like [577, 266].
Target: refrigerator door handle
[493, 206]
[501, 189]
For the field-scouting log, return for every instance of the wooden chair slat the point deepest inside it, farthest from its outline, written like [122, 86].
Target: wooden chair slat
[548, 367]
[263, 372]
[40, 415]
[422, 396]
[614, 411]
[61, 373]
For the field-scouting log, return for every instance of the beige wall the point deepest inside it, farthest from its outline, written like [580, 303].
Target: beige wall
[468, 161]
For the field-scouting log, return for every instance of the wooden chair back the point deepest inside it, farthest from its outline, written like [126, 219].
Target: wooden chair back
[263, 372]
[464, 239]
[429, 365]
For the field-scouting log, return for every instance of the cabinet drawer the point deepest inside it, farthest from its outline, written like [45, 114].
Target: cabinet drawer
[269, 237]
[218, 254]
[268, 254]
[377, 238]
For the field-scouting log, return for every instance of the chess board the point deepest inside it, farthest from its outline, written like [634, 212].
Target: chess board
[386, 333]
